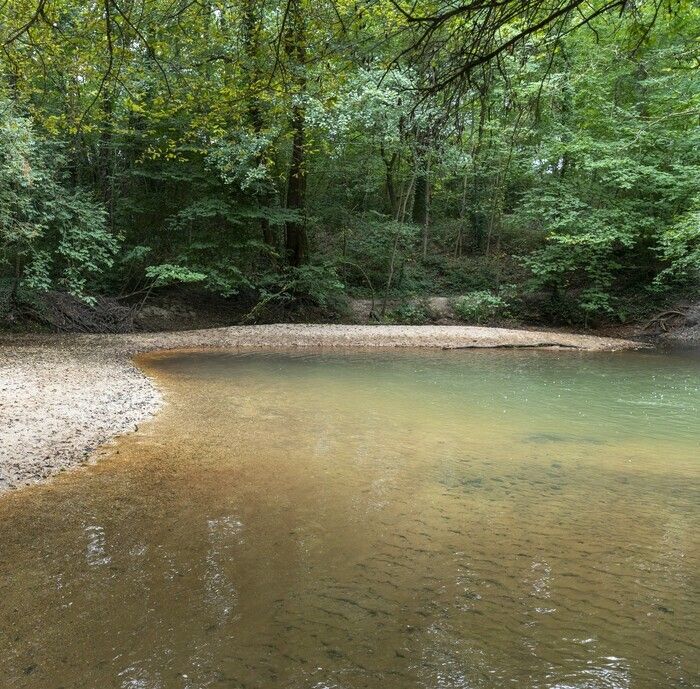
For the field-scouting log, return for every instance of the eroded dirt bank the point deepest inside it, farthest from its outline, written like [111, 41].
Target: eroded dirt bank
[61, 397]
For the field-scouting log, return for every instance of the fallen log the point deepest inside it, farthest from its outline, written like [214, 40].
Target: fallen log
[514, 345]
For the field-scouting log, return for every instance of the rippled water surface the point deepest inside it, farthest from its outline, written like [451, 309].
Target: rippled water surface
[379, 520]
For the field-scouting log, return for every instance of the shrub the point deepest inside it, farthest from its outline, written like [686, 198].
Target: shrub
[410, 313]
[679, 247]
[52, 236]
[480, 306]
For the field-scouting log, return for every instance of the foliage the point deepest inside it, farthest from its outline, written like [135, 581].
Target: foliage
[411, 312]
[50, 235]
[314, 284]
[480, 306]
[168, 274]
[294, 157]
[679, 247]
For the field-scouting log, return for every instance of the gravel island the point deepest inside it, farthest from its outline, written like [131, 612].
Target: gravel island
[62, 396]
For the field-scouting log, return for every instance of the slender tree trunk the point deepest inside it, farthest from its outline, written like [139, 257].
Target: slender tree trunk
[251, 42]
[476, 219]
[419, 209]
[390, 164]
[400, 219]
[296, 240]
[106, 158]
[462, 219]
[426, 218]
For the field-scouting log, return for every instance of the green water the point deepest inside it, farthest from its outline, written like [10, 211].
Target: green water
[381, 520]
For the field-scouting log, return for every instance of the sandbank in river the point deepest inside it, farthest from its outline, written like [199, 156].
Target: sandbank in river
[63, 396]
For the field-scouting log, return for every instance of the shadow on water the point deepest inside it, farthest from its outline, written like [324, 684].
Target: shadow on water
[394, 520]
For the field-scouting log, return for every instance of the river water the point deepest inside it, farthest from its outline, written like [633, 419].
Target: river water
[381, 520]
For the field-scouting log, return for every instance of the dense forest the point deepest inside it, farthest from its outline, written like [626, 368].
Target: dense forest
[529, 159]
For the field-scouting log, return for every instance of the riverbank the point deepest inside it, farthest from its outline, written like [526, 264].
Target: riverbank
[63, 396]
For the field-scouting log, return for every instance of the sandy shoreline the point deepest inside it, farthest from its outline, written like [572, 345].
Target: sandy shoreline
[62, 396]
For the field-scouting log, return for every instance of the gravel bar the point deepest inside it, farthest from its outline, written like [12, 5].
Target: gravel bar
[62, 396]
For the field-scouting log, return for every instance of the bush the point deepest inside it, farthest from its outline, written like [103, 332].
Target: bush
[52, 236]
[679, 247]
[309, 288]
[480, 306]
[410, 313]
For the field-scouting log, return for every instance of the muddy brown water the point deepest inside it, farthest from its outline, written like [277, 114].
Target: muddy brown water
[380, 520]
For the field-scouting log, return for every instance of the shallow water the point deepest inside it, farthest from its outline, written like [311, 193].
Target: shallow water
[372, 519]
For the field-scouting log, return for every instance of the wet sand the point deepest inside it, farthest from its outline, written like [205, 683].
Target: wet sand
[63, 396]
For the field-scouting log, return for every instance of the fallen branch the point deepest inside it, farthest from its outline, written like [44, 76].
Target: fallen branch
[63, 312]
[252, 314]
[534, 345]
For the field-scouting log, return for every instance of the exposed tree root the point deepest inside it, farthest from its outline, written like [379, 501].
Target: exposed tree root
[661, 320]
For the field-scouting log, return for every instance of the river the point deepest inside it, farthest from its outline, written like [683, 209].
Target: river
[384, 520]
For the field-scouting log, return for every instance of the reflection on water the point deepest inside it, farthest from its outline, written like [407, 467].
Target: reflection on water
[379, 520]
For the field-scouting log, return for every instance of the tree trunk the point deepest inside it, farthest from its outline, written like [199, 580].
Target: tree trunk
[462, 219]
[476, 213]
[426, 218]
[296, 240]
[400, 219]
[420, 207]
[390, 164]
[251, 41]
[106, 159]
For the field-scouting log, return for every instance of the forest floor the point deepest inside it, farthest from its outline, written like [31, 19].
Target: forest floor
[63, 396]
